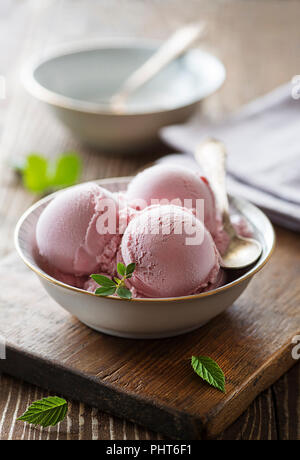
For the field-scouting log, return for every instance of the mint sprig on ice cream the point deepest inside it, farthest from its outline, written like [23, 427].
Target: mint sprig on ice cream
[116, 285]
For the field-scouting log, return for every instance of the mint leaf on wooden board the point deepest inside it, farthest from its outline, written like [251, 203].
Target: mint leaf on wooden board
[209, 371]
[46, 412]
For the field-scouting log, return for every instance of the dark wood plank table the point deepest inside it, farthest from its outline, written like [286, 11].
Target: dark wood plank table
[259, 44]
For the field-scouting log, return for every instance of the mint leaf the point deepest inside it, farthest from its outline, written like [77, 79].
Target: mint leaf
[46, 412]
[103, 280]
[209, 371]
[41, 175]
[35, 177]
[130, 269]
[121, 269]
[117, 285]
[67, 170]
[124, 293]
[105, 291]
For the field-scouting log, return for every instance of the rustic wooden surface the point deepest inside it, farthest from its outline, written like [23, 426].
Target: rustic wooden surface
[259, 43]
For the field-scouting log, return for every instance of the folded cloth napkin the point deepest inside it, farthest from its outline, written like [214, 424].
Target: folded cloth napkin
[263, 145]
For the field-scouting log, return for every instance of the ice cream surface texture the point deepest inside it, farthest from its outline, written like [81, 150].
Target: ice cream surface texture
[179, 185]
[156, 225]
[169, 262]
[69, 235]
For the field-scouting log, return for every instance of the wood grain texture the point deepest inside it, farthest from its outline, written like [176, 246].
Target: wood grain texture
[259, 422]
[82, 422]
[258, 42]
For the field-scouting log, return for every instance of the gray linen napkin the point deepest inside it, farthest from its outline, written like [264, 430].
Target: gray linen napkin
[263, 144]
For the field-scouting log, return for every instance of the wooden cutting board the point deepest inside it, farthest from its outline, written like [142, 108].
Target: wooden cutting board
[151, 381]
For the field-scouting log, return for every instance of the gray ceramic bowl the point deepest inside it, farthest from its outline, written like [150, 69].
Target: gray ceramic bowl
[144, 318]
[77, 83]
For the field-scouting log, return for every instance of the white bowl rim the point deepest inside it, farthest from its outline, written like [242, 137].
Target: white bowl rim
[256, 268]
[65, 102]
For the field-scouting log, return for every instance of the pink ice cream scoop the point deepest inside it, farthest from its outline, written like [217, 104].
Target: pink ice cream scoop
[179, 185]
[174, 253]
[72, 233]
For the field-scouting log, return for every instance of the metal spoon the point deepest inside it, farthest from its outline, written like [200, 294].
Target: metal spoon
[241, 252]
[177, 44]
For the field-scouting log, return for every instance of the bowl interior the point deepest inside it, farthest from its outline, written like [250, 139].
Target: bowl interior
[93, 75]
[262, 228]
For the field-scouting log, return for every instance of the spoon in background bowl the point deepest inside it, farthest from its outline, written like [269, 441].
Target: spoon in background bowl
[171, 49]
[241, 252]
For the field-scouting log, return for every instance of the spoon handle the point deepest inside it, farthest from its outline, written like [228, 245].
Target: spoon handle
[211, 156]
[181, 40]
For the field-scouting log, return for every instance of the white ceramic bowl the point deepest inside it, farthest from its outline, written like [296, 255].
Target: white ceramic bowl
[76, 82]
[143, 318]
